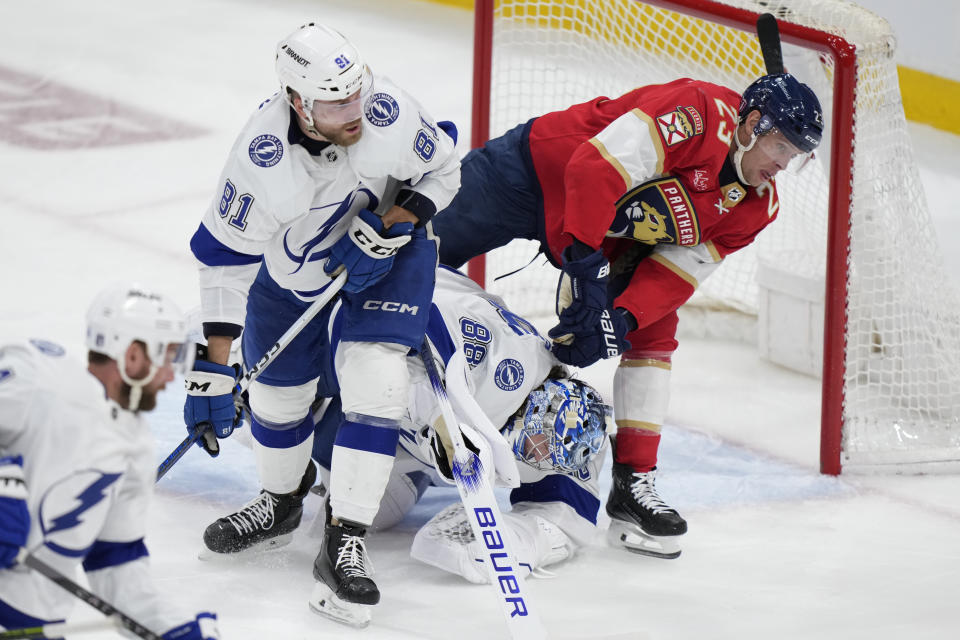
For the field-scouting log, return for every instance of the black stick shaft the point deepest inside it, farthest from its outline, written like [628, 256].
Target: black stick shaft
[91, 599]
[769, 35]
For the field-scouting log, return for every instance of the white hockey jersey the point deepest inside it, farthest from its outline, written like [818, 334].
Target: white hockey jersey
[506, 359]
[287, 202]
[89, 469]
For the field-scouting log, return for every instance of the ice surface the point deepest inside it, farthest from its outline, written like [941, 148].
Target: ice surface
[774, 548]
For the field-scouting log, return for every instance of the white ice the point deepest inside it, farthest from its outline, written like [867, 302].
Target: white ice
[774, 548]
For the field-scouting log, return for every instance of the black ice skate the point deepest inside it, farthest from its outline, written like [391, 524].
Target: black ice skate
[344, 591]
[640, 520]
[266, 522]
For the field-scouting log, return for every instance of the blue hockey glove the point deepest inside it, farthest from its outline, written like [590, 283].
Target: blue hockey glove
[607, 340]
[14, 515]
[582, 289]
[365, 251]
[204, 627]
[210, 406]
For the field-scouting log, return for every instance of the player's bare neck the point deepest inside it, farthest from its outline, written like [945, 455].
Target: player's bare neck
[109, 377]
[310, 132]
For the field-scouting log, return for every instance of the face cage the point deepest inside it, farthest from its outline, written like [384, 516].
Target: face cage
[543, 448]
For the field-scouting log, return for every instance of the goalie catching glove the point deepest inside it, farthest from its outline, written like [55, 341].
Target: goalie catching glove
[366, 251]
[211, 406]
[437, 447]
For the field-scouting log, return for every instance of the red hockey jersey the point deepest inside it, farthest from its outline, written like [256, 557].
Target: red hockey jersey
[599, 164]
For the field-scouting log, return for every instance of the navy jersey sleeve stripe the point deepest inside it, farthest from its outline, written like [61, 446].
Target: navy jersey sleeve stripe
[214, 253]
[559, 488]
[110, 554]
[438, 334]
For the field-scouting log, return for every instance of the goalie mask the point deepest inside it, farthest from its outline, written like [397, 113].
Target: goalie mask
[560, 426]
[123, 314]
[327, 72]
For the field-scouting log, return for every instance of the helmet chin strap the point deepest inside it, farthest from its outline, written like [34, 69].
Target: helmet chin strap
[136, 386]
[738, 154]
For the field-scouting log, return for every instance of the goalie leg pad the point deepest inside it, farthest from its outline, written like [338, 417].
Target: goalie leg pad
[447, 542]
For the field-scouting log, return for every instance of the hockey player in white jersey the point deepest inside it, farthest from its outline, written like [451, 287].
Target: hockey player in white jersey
[551, 423]
[77, 463]
[341, 169]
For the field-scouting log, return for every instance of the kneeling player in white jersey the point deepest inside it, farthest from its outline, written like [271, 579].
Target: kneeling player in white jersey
[77, 464]
[552, 423]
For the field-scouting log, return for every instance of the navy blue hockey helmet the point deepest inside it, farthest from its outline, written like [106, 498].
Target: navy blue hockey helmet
[787, 104]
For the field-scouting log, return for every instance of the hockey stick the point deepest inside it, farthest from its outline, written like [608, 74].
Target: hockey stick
[315, 307]
[768, 33]
[91, 599]
[60, 629]
[485, 518]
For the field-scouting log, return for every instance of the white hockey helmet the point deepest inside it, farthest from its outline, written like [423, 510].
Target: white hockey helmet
[124, 313]
[320, 64]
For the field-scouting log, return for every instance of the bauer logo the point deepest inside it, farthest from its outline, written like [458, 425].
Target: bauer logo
[509, 374]
[381, 109]
[266, 150]
[504, 569]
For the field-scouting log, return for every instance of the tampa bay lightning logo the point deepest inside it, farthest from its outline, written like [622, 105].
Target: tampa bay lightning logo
[509, 374]
[381, 109]
[51, 349]
[266, 150]
[73, 509]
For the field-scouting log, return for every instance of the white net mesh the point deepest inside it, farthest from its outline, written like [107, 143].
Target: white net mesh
[901, 390]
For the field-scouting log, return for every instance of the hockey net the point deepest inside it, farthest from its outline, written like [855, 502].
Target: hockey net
[858, 218]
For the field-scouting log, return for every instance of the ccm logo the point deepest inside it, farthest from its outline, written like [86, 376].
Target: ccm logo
[496, 553]
[370, 246]
[398, 307]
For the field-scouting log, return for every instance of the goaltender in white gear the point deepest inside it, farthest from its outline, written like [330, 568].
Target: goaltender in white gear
[553, 425]
[88, 458]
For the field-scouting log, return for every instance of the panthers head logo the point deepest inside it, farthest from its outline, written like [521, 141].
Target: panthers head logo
[649, 226]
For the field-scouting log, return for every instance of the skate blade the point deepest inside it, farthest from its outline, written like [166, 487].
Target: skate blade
[323, 602]
[633, 539]
[265, 546]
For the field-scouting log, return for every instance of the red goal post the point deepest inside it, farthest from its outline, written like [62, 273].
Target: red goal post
[881, 379]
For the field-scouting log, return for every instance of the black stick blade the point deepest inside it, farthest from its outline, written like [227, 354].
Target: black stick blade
[769, 35]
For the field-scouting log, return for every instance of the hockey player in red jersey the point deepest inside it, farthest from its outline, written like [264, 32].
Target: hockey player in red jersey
[636, 199]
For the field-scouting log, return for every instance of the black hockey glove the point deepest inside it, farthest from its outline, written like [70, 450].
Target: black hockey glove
[582, 288]
[606, 340]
